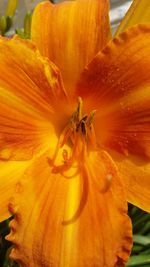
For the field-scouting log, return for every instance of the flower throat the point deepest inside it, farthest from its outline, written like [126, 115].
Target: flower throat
[79, 135]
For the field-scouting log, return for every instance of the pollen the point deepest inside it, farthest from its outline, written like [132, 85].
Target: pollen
[109, 177]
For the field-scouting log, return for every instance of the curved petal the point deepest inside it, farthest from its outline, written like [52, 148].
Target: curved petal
[70, 34]
[117, 84]
[30, 88]
[44, 236]
[10, 174]
[139, 12]
[135, 176]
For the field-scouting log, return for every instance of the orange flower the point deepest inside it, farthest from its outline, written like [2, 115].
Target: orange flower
[74, 146]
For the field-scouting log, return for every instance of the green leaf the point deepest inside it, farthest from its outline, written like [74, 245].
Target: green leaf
[145, 229]
[145, 251]
[3, 24]
[141, 260]
[9, 21]
[11, 8]
[137, 249]
[142, 240]
[27, 24]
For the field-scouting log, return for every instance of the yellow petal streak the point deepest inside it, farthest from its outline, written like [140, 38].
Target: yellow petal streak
[70, 233]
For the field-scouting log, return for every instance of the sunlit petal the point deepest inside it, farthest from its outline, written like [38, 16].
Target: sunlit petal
[135, 175]
[29, 88]
[117, 85]
[44, 233]
[70, 34]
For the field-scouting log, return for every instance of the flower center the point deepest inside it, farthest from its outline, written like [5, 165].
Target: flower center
[77, 153]
[79, 135]
[73, 147]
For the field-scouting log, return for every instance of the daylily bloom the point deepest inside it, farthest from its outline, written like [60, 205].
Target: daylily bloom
[75, 135]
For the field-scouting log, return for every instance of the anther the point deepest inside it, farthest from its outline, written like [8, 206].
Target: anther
[109, 177]
[79, 109]
[91, 117]
[83, 127]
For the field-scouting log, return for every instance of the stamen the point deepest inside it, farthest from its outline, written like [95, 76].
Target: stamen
[71, 176]
[91, 117]
[83, 201]
[92, 137]
[83, 127]
[91, 132]
[79, 109]
[79, 136]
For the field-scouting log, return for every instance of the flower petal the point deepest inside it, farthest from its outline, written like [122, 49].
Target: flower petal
[135, 175]
[11, 172]
[139, 12]
[95, 237]
[117, 84]
[70, 34]
[30, 88]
